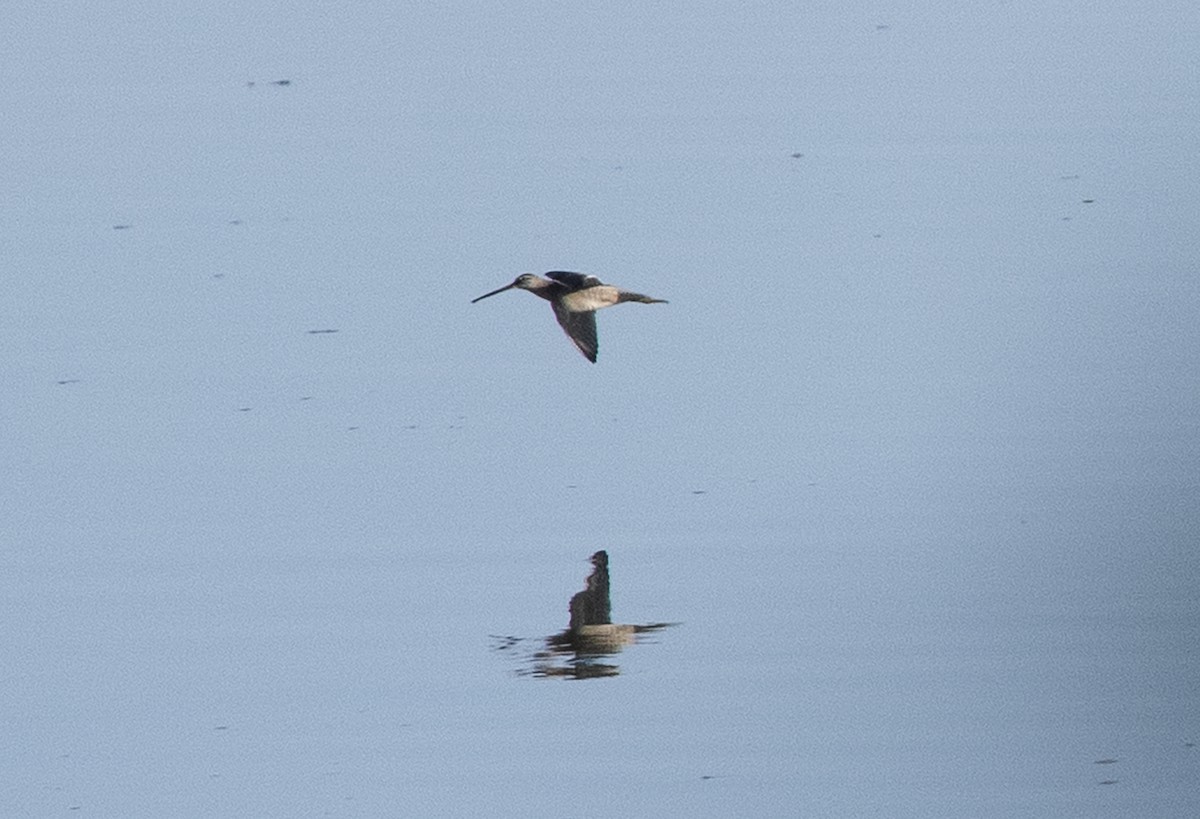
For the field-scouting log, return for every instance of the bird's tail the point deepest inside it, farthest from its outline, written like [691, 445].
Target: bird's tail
[623, 296]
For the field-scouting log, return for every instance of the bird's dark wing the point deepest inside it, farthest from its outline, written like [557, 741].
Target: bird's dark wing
[581, 328]
[575, 281]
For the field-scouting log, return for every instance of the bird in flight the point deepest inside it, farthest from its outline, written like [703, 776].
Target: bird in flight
[575, 298]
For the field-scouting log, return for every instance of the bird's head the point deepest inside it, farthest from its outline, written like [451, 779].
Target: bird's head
[526, 281]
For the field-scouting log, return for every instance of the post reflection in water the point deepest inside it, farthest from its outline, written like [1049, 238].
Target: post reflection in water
[585, 648]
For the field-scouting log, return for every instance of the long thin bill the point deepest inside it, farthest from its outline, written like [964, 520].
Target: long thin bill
[494, 292]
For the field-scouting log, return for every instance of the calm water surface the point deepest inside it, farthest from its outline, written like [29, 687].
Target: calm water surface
[909, 459]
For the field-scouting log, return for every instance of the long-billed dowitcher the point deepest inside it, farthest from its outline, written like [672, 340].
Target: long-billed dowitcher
[575, 298]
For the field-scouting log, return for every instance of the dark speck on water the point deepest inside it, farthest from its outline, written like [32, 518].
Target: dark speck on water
[122, 227]
[320, 332]
[1107, 761]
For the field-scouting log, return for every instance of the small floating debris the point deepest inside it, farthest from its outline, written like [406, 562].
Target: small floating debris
[281, 82]
[321, 332]
[796, 156]
[1089, 201]
[67, 381]
[1107, 761]
[1109, 781]
[122, 227]
[243, 409]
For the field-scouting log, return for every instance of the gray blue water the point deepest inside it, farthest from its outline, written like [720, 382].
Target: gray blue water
[908, 461]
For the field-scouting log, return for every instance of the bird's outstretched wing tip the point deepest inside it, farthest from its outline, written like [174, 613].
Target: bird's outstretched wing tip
[587, 346]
